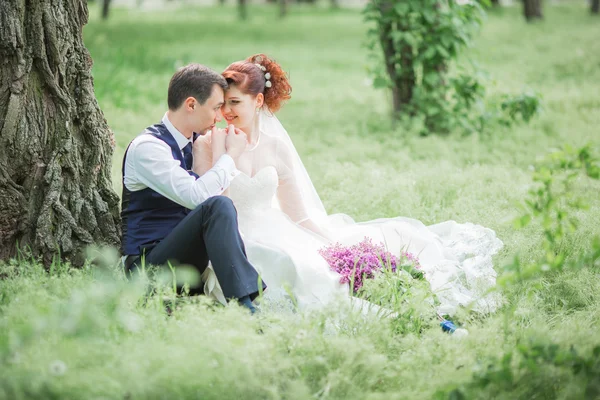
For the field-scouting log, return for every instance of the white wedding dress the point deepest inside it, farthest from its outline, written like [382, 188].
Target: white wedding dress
[272, 197]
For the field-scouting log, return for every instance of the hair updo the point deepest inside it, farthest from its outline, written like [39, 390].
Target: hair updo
[250, 79]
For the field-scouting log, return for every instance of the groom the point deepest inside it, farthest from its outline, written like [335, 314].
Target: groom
[170, 214]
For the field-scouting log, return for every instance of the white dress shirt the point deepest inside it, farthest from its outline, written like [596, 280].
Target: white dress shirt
[150, 164]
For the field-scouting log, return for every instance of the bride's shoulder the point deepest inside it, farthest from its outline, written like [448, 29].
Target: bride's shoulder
[271, 140]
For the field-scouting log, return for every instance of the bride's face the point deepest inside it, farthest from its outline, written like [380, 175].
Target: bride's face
[239, 108]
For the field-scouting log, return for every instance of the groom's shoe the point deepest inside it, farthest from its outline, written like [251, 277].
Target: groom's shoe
[246, 302]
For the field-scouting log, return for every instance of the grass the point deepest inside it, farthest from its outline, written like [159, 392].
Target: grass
[75, 334]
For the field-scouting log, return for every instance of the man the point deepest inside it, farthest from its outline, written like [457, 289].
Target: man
[171, 214]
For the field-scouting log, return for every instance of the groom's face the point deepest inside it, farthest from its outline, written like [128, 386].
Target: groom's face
[206, 115]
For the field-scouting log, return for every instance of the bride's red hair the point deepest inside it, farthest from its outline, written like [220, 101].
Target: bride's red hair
[250, 79]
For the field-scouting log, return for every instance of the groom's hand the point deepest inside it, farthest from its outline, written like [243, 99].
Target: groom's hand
[217, 142]
[236, 142]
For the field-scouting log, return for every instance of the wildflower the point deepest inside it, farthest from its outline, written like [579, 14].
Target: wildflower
[363, 261]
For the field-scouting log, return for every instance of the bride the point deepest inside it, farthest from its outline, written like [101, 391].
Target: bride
[284, 222]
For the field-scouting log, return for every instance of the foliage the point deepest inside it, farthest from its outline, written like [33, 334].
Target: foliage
[553, 202]
[525, 106]
[408, 294]
[421, 41]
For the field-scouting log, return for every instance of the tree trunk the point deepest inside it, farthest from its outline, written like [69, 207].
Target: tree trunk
[105, 8]
[438, 68]
[56, 195]
[495, 3]
[403, 79]
[532, 9]
[242, 9]
[595, 7]
[283, 8]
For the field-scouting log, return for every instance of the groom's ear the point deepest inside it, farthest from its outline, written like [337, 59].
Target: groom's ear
[190, 104]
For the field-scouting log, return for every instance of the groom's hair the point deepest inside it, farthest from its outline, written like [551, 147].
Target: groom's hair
[195, 81]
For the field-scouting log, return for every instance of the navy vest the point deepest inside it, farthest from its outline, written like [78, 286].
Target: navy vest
[147, 216]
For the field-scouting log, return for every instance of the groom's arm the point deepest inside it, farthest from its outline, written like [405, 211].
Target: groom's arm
[150, 164]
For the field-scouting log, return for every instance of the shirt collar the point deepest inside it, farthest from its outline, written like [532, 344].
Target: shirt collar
[181, 140]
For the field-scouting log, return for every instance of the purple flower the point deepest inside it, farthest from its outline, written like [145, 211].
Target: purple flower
[363, 261]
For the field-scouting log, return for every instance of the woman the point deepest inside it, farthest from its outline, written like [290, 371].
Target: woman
[284, 223]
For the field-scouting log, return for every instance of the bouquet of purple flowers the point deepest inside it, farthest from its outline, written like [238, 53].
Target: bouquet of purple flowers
[363, 260]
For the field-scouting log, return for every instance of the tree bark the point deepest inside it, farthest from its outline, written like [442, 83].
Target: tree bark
[532, 9]
[242, 10]
[105, 8]
[56, 195]
[595, 8]
[404, 78]
[495, 3]
[283, 8]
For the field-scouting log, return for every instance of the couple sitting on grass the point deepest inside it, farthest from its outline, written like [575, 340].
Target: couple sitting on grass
[238, 205]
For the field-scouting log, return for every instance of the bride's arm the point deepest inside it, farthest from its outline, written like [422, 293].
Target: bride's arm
[312, 226]
[290, 196]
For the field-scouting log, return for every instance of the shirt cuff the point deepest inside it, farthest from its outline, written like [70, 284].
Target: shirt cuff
[228, 165]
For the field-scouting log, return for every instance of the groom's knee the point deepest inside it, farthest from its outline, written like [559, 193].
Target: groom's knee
[219, 205]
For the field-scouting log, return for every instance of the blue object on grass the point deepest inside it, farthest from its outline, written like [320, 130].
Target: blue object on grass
[448, 326]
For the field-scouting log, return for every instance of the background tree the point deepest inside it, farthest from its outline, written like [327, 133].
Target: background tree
[532, 9]
[415, 41]
[56, 194]
[397, 55]
[595, 7]
[242, 9]
[283, 8]
[105, 8]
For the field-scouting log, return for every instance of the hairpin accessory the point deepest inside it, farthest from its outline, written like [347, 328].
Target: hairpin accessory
[267, 75]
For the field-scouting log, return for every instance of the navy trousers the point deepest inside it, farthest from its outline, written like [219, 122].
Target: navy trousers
[209, 232]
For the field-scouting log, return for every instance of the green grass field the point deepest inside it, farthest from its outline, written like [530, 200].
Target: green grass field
[75, 334]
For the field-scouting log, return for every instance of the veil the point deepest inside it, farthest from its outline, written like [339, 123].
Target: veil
[269, 125]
